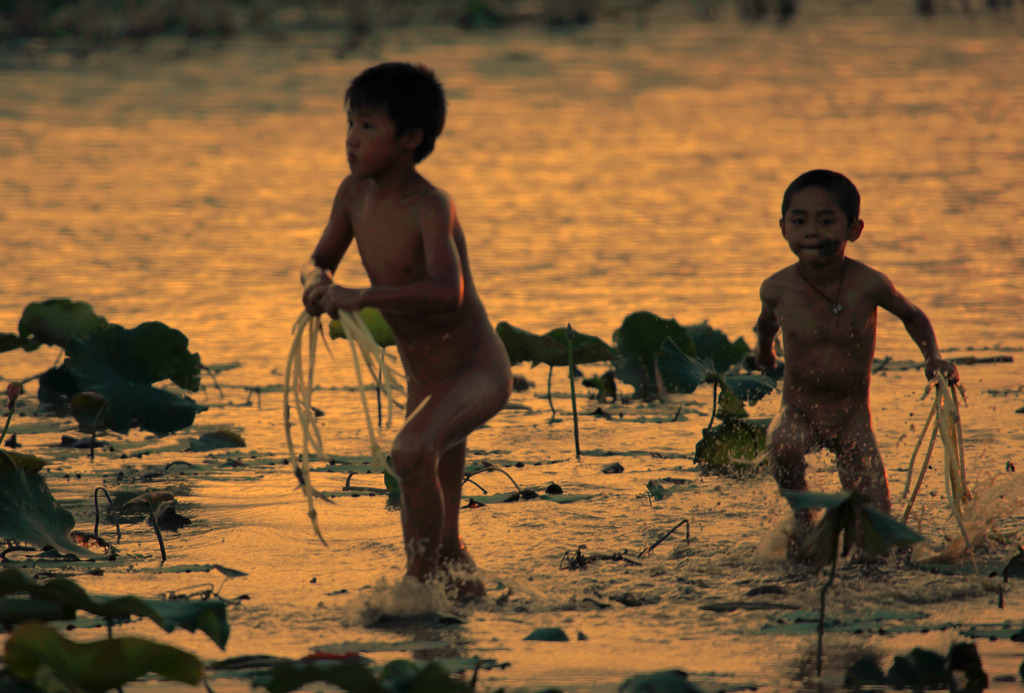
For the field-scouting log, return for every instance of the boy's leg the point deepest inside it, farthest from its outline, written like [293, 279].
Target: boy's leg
[430, 493]
[788, 439]
[859, 461]
[451, 472]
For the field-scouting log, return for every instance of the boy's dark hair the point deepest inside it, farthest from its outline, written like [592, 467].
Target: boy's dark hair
[411, 94]
[832, 182]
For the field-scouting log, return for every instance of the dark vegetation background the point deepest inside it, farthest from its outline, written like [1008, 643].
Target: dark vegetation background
[83, 26]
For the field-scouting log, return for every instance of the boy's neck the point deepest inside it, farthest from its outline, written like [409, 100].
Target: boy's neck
[824, 269]
[396, 182]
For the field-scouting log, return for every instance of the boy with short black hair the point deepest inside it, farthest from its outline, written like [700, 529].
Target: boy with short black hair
[414, 252]
[826, 306]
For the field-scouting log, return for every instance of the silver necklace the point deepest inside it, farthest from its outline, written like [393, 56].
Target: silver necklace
[836, 306]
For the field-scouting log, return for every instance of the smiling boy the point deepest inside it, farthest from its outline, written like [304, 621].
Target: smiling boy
[826, 306]
[414, 252]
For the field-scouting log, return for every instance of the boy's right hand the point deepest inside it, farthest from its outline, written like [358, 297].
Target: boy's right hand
[768, 363]
[312, 296]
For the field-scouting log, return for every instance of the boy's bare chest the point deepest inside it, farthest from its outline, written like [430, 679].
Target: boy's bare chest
[389, 242]
[807, 317]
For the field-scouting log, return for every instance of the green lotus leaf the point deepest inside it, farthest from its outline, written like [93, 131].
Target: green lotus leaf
[148, 353]
[349, 676]
[29, 513]
[553, 634]
[733, 447]
[844, 511]
[35, 652]
[674, 681]
[552, 348]
[750, 388]
[682, 372]
[639, 342]
[121, 365]
[10, 342]
[375, 323]
[712, 344]
[208, 616]
[59, 320]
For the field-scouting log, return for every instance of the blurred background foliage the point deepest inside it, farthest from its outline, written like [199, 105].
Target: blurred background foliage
[87, 25]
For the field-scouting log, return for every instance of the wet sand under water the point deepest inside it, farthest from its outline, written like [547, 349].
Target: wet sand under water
[629, 168]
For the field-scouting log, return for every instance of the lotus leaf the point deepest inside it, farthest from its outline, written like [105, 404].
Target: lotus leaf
[639, 342]
[554, 634]
[841, 518]
[209, 616]
[29, 513]
[674, 681]
[10, 342]
[35, 651]
[732, 447]
[355, 675]
[121, 365]
[712, 344]
[552, 348]
[57, 321]
[375, 323]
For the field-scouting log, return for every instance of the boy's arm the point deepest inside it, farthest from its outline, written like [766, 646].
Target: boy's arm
[318, 271]
[766, 327]
[919, 327]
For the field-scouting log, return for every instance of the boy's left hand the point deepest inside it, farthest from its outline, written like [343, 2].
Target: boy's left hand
[947, 368]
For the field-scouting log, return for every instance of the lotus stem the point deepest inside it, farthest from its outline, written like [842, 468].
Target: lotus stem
[821, 613]
[569, 334]
[156, 529]
[650, 549]
[96, 506]
[492, 468]
[913, 456]
[551, 404]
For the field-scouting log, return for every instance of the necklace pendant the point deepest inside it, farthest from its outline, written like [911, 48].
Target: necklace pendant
[836, 308]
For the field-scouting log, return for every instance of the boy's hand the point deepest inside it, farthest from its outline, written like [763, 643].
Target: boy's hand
[765, 360]
[312, 296]
[947, 368]
[336, 298]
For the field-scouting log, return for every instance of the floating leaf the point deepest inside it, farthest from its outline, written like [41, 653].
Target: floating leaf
[34, 650]
[674, 681]
[554, 634]
[355, 675]
[58, 320]
[216, 440]
[29, 513]
[920, 669]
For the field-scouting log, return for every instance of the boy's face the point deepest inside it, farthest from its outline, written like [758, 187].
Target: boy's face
[372, 145]
[816, 227]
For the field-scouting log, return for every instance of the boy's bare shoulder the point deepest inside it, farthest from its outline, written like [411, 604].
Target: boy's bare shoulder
[435, 205]
[775, 283]
[867, 277]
